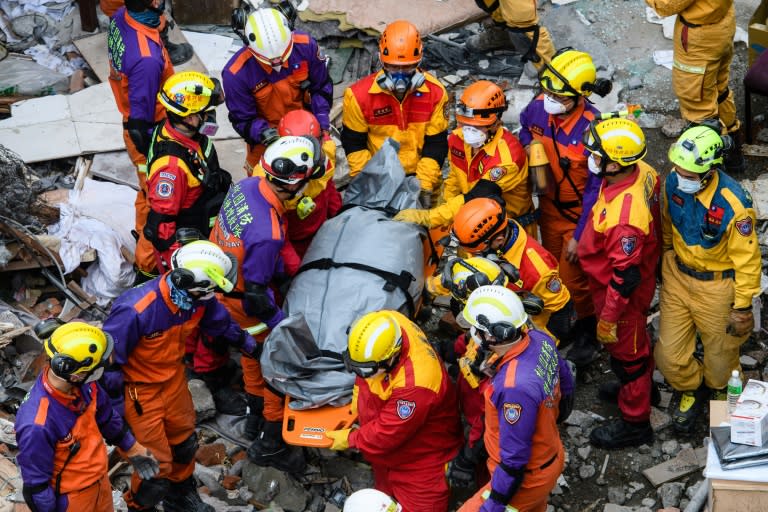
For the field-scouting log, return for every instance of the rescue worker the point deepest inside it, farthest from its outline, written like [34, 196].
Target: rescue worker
[149, 325]
[403, 102]
[178, 53]
[482, 151]
[619, 251]
[278, 70]
[138, 67]
[185, 184]
[60, 424]
[557, 118]
[370, 500]
[404, 401]
[483, 228]
[711, 272]
[514, 23]
[531, 388]
[251, 225]
[319, 201]
[703, 51]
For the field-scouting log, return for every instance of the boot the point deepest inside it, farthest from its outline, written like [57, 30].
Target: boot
[733, 158]
[609, 392]
[179, 53]
[493, 37]
[585, 347]
[254, 419]
[621, 434]
[231, 402]
[183, 497]
[269, 449]
[686, 407]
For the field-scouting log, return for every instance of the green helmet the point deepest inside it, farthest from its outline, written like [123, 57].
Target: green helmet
[698, 150]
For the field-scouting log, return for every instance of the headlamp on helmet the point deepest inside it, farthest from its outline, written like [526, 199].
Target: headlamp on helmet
[573, 73]
[373, 341]
[472, 273]
[496, 315]
[698, 150]
[78, 352]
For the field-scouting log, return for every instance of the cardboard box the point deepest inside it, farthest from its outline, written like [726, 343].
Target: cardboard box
[749, 422]
[758, 31]
[733, 495]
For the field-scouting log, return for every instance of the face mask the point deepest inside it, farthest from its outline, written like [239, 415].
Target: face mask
[594, 168]
[687, 185]
[474, 137]
[401, 81]
[179, 297]
[553, 107]
[209, 126]
[96, 375]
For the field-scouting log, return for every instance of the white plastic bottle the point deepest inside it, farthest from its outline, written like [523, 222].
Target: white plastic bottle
[734, 391]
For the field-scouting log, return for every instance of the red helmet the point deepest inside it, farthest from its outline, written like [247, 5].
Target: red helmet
[299, 122]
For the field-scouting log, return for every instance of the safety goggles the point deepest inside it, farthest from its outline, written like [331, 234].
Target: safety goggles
[465, 111]
[364, 370]
[286, 171]
[494, 333]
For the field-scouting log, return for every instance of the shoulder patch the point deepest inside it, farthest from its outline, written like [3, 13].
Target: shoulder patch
[405, 409]
[512, 412]
[497, 173]
[628, 244]
[554, 284]
[744, 226]
[164, 188]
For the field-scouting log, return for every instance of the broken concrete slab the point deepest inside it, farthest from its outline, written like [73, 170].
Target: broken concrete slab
[686, 462]
[202, 399]
[269, 484]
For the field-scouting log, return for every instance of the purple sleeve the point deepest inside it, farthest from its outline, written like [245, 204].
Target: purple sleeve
[515, 439]
[591, 191]
[123, 324]
[567, 385]
[243, 110]
[35, 459]
[262, 260]
[217, 321]
[525, 136]
[144, 78]
[111, 424]
[321, 86]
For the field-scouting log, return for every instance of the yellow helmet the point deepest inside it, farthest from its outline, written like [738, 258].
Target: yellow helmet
[373, 339]
[470, 274]
[620, 140]
[78, 349]
[569, 73]
[189, 92]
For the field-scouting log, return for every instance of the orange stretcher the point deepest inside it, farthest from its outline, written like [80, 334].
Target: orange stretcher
[307, 427]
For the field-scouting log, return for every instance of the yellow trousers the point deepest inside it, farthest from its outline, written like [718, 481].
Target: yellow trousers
[688, 306]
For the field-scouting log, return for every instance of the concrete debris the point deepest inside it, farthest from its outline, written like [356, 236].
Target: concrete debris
[670, 494]
[673, 127]
[270, 485]
[205, 408]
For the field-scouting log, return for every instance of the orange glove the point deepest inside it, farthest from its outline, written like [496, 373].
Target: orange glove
[606, 332]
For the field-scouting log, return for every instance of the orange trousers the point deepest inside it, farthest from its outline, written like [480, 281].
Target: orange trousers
[97, 497]
[253, 380]
[167, 420]
[556, 232]
[533, 493]
[145, 253]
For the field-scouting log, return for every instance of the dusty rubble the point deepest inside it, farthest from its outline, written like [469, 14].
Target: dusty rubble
[33, 285]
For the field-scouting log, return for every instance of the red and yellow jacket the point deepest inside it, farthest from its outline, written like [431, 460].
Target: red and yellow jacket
[419, 124]
[409, 417]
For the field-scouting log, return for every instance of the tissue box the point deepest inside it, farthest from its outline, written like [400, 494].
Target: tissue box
[749, 422]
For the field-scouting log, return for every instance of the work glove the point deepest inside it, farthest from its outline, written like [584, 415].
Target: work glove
[269, 136]
[340, 438]
[566, 407]
[740, 322]
[461, 470]
[143, 462]
[425, 198]
[490, 505]
[250, 347]
[414, 215]
[606, 332]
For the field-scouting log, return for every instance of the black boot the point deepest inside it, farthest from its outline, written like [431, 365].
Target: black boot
[269, 449]
[254, 419]
[183, 497]
[179, 53]
[609, 392]
[585, 346]
[686, 407]
[621, 434]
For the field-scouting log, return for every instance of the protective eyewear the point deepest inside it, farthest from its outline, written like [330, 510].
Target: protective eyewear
[465, 111]
[364, 370]
[286, 171]
[501, 332]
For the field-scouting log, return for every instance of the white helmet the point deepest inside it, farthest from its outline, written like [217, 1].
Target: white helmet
[203, 266]
[269, 36]
[292, 159]
[370, 500]
[495, 310]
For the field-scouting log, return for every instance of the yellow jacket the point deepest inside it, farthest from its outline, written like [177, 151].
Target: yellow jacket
[698, 12]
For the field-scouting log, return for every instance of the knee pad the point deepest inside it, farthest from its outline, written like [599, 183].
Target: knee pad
[184, 452]
[628, 371]
[151, 492]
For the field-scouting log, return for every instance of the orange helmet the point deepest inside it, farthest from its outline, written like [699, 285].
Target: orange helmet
[299, 122]
[479, 221]
[400, 44]
[481, 104]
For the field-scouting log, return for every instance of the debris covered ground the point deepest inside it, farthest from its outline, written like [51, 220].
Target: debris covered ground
[34, 196]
